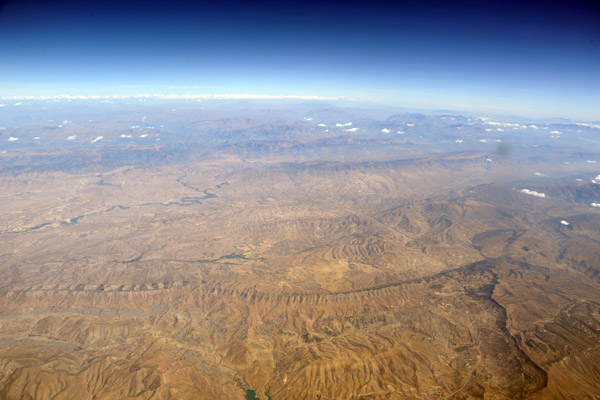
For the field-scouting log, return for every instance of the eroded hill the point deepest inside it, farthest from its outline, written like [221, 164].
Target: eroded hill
[257, 268]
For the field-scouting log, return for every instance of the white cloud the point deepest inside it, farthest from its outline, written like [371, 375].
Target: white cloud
[2, 128]
[488, 129]
[125, 136]
[97, 139]
[409, 124]
[13, 139]
[595, 205]
[533, 126]
[72, 137]
[400, 132]
[322, 125]
[591, 161]
[307, 119]
[458, 140]
[386, 130]
[500, 129]
[588, 125]
[340, 125]
[564, 223]
[59, 126]
[145, 135]
[351, 130]
[18, 104]
[579, 180]
[36, 138]
[2, 105]
[532, 193]
[488, 159]
[539, 174]
[66, 121]
[483, 141]
[500, 123]
[555, 133]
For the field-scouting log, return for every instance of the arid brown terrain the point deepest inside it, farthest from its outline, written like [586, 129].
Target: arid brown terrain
[258, 257]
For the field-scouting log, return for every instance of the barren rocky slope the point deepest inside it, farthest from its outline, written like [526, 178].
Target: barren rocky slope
[426, 277]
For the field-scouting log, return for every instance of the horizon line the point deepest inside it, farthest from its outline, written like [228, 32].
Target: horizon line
[452, 107]
[170, 96]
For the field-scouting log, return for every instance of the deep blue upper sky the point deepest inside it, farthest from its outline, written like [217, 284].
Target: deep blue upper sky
[526, 58]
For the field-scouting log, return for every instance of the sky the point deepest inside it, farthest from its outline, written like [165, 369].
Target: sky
[524, 58]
